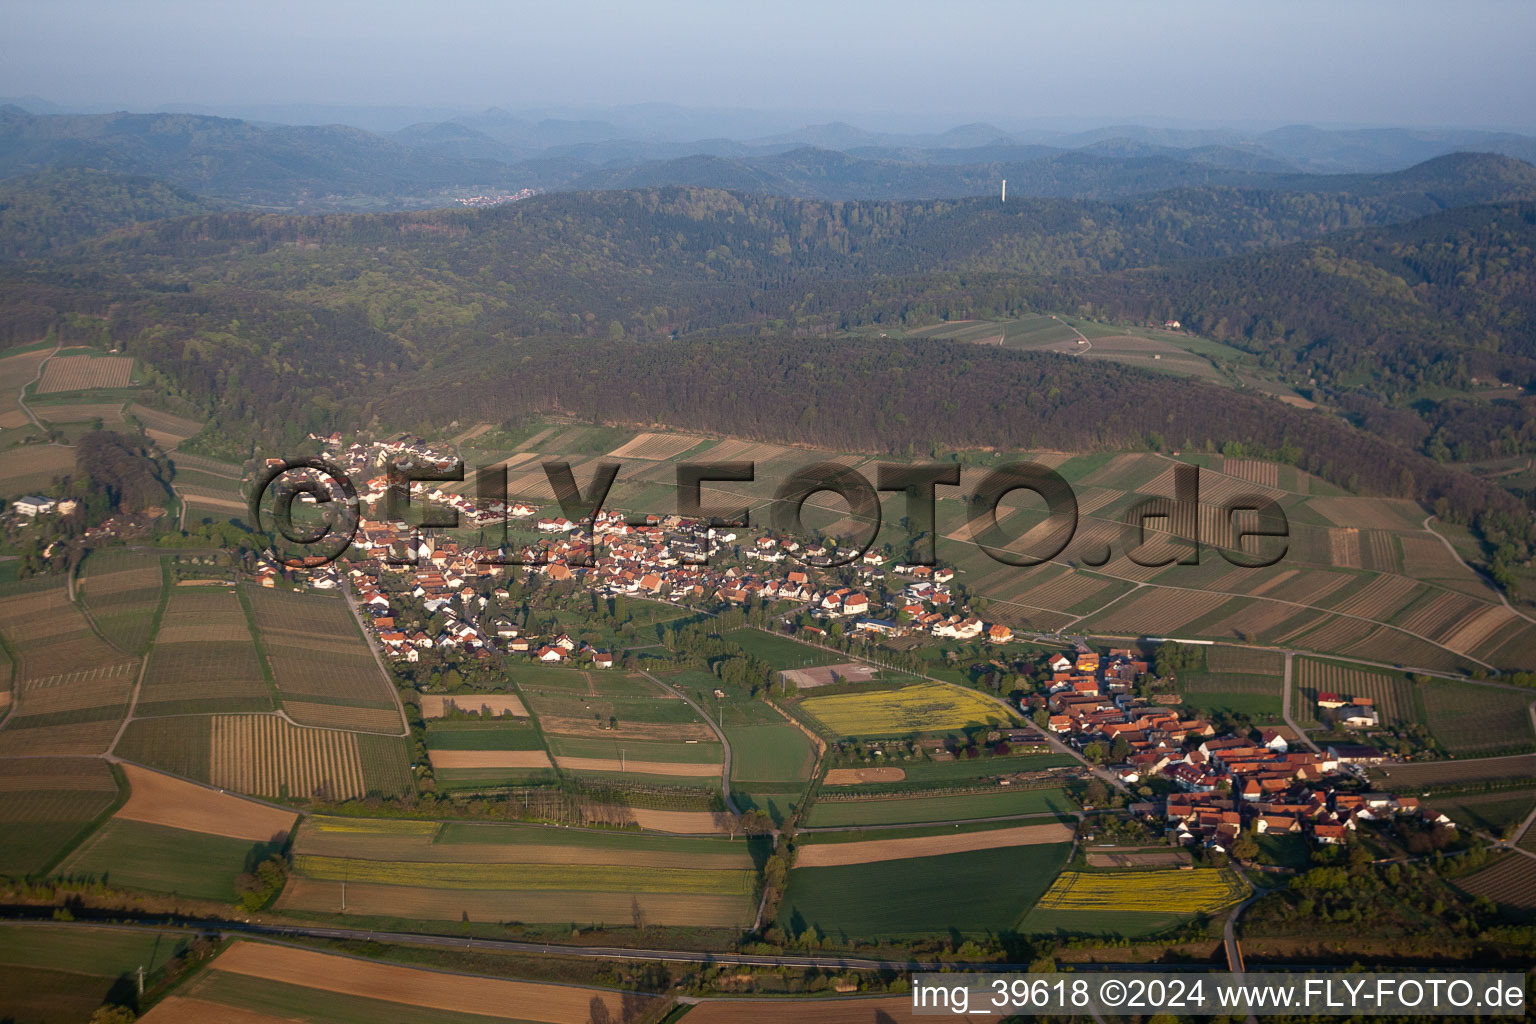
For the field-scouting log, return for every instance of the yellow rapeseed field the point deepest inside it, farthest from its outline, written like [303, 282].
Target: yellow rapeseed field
[924, 707]
[1173, 892]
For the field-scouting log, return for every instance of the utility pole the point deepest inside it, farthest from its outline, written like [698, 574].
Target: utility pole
[141, 981]
[622, 767]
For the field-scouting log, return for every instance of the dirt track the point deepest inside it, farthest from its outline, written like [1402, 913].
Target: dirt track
[489, 759]
[558, 1004]
[825, 855]
[163, 800]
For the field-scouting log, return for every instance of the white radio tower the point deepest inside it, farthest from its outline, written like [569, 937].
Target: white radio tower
[1005, 190]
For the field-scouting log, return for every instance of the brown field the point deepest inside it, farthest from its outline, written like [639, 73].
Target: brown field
[654, 447]
[264, 755]
[1378, 598]
[228, 501]
[164, 427]
[435, 705]
[854, 776]
[1511, 881]
[1253, 470]
[567, 725]
[1393, 697]
[490, 759]
[83, 413]
[1446, 773]
[1442, 611]
[204, 633]
[500, 905]
[1473, 631]
[1257, 617]
[1244, 659]
[75, 774]
[78, 373]
[161, 799]
[1063, 592]
[827, 675]
[1380, 553]
[825, 855]
[1158, 611]
[1369, 513]
[458, 993]
[1426, 557]
[614, 764]
[33, 467]
[185, 1010]
[19, 369]
[1309, 586]
[67, 740]
[1344, 547]
[679, 822]
[119, 581]
[745, 452]
[849, 1010]
[1336, 634]
[338, 716]
[1138, 859]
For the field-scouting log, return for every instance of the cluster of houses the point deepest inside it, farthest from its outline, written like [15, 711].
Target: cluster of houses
[1324, 814]
[1351, 712]
[1227, 783]
[658, 557]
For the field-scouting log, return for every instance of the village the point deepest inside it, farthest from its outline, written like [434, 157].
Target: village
[1218, 786]
[1214, 788]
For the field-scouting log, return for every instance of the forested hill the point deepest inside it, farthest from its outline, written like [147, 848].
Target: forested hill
[278, 324]
[42, 213]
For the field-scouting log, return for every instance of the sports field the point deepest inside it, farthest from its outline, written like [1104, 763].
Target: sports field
[921, 708]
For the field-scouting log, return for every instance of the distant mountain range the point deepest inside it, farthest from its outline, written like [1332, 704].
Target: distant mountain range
[337, 167]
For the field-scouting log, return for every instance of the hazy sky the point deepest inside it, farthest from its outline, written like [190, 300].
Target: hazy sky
[892, 64]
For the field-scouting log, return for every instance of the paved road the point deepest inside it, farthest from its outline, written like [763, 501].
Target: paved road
[725, 744]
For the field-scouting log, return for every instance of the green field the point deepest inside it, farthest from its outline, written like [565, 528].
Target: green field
[1478, 721]
[498, 735]
[181, 745]
[634, 750]
[122, 606]
[138, 855]
[1130, 924]
[46, 806]
[917, 809]
[298, 1003]
[1491, 812]
[979, 891]
[780, 651]
[58, 974]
